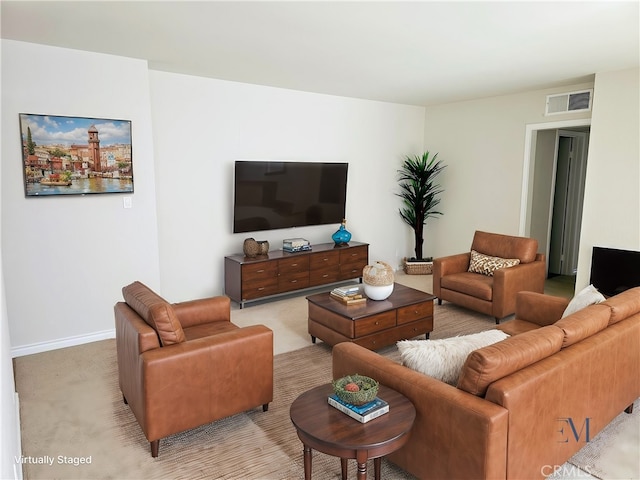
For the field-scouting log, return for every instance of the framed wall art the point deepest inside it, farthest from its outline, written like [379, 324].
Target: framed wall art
[75, 155]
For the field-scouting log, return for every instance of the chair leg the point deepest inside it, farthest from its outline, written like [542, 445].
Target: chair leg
[265, 407]
[155, 447]
[497, 321]
[439, 301]
[629, 409]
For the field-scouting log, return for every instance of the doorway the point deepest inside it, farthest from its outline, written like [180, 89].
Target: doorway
[567, 200]
[553, 192]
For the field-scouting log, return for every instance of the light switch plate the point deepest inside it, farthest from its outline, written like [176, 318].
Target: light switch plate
[126, 202]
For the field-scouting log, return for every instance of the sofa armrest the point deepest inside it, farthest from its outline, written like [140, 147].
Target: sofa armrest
[507, 282]
[202, 380]
[455, 434]
[446, 266]
[539, 308]
[205, 310]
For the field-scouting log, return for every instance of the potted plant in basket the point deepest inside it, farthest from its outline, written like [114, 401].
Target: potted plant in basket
[419, 194]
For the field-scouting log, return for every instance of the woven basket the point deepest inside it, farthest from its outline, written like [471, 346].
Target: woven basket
[418, 268]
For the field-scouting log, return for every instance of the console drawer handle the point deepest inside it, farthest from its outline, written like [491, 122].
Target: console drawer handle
[377, 323]
[260, 271]
[260, 288]
[294, 281]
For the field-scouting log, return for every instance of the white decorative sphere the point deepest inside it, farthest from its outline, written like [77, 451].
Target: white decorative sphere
[378, 292]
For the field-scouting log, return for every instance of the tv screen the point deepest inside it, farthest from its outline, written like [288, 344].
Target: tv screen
[613, 271]
[271, 195]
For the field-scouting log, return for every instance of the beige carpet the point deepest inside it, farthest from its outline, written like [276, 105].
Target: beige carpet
[71, 407]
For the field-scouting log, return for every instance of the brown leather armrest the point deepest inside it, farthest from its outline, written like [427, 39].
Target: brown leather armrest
[540, 308]
[205, 310]
[509, 281]
[446, 266]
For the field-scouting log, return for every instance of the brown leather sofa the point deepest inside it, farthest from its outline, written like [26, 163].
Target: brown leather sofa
[493, 295]
[523, 405]
[184, 365]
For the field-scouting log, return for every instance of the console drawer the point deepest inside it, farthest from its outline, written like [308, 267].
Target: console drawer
[258, 271]
[322, 260]
[323, 276]
[293, 281]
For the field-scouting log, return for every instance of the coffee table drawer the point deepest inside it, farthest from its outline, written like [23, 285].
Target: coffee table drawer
[388, 337]
[415, 312]
[375, 323]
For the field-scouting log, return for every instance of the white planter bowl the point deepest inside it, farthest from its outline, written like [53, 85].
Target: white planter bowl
[378, 292]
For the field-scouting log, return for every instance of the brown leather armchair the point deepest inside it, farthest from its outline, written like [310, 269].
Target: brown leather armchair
[494, 294]
[184, 365]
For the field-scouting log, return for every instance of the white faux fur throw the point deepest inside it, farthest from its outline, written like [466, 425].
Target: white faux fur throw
[443, 359]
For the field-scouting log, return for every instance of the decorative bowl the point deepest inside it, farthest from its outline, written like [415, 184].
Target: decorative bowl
[367, 389]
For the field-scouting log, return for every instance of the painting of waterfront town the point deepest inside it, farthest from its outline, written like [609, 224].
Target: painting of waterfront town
[75, 155]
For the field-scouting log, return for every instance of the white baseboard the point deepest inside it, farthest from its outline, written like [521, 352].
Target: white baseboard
[61, 343]
[17, 466]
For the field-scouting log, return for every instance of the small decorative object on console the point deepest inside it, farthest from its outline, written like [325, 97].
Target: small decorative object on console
[250, 247]
[355, 389]
[342, 235]
[378, 280]
[263, 246]
[292, 245]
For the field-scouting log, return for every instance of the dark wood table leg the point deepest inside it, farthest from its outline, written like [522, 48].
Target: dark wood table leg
[307, 454]
[361, 459]
[377, 464]
[344, 465]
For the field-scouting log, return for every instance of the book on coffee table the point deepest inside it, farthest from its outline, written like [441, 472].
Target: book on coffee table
[362, 413]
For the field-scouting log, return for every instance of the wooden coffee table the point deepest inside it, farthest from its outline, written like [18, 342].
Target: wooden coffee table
[328, 430]
[407, 313]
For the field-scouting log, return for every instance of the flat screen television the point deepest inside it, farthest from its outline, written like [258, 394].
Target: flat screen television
[271, 195]
[613, 271]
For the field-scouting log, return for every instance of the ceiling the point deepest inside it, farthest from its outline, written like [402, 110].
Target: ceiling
[417, 52]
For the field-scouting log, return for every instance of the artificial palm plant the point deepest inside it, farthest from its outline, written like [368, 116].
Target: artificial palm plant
[419, 194]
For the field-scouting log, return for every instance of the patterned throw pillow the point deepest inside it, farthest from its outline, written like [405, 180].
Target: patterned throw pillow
[486, 264]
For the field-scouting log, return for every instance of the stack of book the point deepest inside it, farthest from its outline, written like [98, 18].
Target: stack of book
[348, 295]
[295, 245]
[362, 413]
[346, 290]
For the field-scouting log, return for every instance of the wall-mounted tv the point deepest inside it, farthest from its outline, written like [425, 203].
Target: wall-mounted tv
[613, 270]
[271, 195]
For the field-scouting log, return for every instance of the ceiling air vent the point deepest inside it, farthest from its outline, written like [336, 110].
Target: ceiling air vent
[569, 102]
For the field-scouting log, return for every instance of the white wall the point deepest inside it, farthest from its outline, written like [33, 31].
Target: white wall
[201, 126]
[611, 215]
[483, 143]
[65, 259]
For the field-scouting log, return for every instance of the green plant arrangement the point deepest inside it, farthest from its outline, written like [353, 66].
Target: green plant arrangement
[419, 192]
[355, 389]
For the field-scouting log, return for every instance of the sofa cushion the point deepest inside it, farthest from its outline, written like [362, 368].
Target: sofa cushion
[585, 297]
[156, 311]
[624, 305]
[474, 284]
[443, 359]
[486, 264]
[583, 323]
[488, 364]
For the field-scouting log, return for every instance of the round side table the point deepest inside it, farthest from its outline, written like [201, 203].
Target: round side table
[326, 429]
